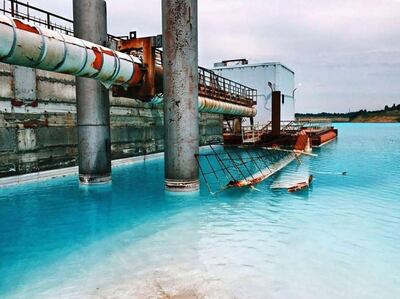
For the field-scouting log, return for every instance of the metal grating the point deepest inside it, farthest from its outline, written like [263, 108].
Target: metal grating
[224, 168]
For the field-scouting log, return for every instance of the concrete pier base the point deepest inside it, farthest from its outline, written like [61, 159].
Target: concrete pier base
[182, 185]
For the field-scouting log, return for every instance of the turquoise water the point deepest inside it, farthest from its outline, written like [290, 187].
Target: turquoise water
[340, 239]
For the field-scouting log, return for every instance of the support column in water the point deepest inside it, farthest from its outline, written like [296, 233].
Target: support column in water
[181, 116]
[93, 103]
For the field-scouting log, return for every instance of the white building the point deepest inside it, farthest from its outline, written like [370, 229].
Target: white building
[257, 76]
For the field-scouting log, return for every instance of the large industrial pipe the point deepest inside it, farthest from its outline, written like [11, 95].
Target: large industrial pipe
[37, 47]
[208, 105]
[181, 89]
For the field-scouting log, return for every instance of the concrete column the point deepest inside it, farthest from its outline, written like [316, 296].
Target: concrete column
[181, 115]
[93, 103]
[276, 113]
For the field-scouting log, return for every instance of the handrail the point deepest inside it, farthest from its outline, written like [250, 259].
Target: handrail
[214, 86]
[48, 22]
[252, 133]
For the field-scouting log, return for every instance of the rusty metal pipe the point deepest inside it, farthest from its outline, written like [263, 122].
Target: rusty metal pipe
[28, 45]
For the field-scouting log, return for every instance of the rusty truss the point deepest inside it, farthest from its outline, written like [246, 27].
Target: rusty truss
[224, 167]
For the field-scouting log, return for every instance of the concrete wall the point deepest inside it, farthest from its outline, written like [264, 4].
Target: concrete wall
[38, 123]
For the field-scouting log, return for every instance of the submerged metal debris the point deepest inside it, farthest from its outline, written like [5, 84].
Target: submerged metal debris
[223, 168]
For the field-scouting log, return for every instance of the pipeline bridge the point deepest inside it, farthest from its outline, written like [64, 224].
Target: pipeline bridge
[137, 76]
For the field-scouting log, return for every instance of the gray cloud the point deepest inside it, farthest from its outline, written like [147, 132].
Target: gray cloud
[345, 53]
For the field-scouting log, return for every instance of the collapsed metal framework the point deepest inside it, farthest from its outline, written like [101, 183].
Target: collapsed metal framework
[229, 167]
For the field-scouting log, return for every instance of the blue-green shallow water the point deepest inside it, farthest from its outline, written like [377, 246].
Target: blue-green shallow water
[340, 239]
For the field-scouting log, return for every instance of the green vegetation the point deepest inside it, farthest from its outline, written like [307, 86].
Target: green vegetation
[388, 114]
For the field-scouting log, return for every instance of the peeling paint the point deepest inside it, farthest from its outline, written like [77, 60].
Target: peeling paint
[98, 62]
[25, 27]
[17, 103]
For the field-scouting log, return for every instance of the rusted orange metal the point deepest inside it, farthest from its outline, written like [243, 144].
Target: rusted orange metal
[321, 138]
[147, 81]
[301, 142]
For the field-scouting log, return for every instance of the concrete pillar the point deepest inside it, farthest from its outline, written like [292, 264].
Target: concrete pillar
[181, 116]
[276, 113]
[93, 103]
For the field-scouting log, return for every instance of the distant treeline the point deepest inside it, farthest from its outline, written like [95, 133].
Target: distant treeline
[388, 114]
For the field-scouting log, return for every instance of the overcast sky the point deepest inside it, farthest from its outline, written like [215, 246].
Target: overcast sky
[346, 53]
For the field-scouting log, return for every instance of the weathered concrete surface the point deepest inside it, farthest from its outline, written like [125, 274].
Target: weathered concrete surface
[40, 134]
[181, 94]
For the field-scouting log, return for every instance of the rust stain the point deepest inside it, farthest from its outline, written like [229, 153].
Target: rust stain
[32, 123]
[69, 120]
[137, 75]
[34, 104]
[17, 103]
[120, 79]
[26, 27]
[98, 62]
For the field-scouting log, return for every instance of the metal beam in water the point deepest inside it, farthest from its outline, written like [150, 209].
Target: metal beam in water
[181, 116]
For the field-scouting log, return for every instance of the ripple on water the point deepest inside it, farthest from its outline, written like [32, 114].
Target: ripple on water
[339, 239]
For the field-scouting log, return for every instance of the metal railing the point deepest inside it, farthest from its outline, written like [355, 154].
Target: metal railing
[292, 127]
[253, 134]
[214, 86]
[38, 16]
[42, 17]
[316, 124]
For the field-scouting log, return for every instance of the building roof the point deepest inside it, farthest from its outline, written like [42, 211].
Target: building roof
[252, 65]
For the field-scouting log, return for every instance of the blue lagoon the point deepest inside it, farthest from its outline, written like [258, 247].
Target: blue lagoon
[130, 239]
